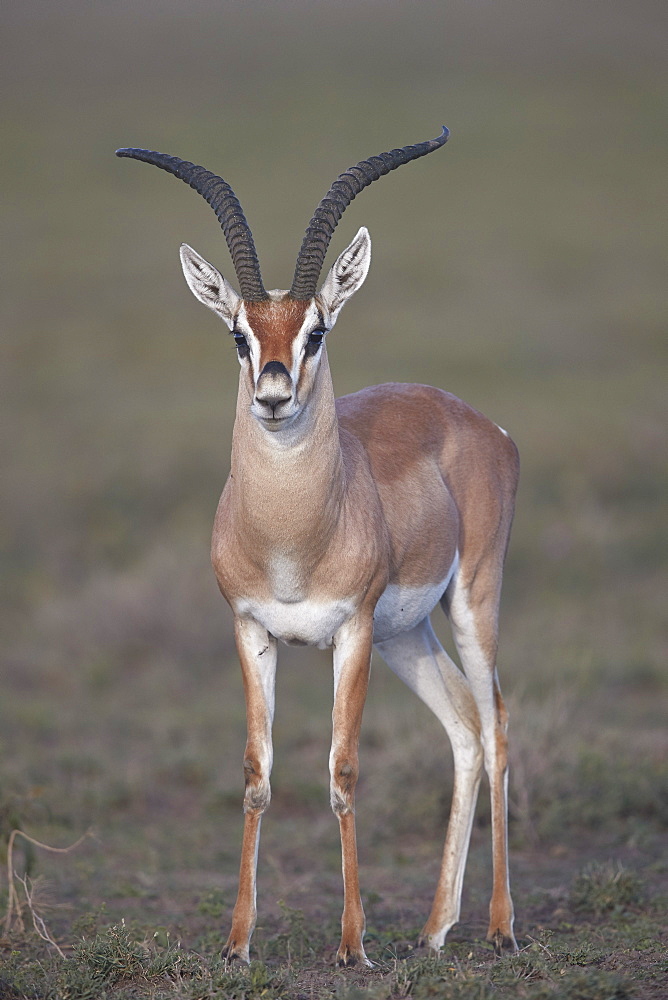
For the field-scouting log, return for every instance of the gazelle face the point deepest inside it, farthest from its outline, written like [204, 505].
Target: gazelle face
[279, 345]
[280, 340]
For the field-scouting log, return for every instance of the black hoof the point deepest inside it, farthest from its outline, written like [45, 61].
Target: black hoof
[230, 954]
[503, 943]
[347, 959]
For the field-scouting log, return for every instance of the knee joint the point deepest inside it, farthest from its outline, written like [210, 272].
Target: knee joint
[501, 710]
[342, 786]
[258, 791]
[496, 752]
[469, 756]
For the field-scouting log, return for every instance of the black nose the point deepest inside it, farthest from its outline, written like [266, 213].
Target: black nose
[275, 368]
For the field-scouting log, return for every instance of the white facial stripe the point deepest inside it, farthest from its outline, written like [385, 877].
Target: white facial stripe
[311, 322]
[243, 326]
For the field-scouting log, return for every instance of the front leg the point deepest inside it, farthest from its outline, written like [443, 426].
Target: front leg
[257, 653]
[352, 660]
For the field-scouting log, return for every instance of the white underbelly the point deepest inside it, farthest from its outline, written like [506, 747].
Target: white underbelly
[402, 608]
[315, 623]
[300, 623]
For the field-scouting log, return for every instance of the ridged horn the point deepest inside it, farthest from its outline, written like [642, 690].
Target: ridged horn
[346, 186]
[225, 204]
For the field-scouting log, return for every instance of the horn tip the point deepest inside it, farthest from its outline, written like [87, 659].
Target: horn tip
[135, 153]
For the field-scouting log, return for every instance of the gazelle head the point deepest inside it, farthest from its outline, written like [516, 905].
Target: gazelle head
[280, 334]
[279, 338]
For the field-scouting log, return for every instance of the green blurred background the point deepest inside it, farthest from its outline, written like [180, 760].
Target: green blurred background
[522, 267]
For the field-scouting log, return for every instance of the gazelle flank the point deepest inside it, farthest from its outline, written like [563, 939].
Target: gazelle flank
[343, 523]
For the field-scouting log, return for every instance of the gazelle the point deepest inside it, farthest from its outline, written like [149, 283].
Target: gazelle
[343, 524]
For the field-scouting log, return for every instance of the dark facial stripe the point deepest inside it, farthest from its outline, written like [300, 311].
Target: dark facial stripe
[275, 368]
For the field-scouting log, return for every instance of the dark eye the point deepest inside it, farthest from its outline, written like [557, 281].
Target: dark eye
[242, 344]
[314, 343]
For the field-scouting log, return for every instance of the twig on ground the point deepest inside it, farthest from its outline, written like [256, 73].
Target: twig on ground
[37, 920]
[13, 913]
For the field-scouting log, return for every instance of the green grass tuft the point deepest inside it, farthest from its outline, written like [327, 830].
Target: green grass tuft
[606, 888]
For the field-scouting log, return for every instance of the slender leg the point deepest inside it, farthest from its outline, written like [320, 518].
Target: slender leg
[420, 661]
[257, 653]
[352, 660]
[474, 618]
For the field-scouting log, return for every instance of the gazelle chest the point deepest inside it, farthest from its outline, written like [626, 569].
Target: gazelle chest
[306, 622]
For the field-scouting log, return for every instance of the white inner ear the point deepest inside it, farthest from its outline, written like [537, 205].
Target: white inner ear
[209, 286]
[347, 273]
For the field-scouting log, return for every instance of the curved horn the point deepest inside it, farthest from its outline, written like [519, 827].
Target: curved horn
[346, 186]
[224, 202]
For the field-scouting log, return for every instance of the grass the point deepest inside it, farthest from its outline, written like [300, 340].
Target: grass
[120, 961]
[603, 888]
[523, 271]
[589, 874]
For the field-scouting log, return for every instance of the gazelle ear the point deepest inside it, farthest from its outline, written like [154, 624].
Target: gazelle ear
[209, 286]
[347, 274]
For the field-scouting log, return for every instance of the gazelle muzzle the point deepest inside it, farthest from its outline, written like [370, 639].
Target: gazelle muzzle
[273, 391]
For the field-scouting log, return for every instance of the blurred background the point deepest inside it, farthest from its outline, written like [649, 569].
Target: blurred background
[522, 267]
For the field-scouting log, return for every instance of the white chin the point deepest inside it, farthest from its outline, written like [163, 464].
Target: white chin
[275, 423]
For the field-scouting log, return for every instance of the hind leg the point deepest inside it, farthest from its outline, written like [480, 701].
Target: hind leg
[420, 661]
[473, 613]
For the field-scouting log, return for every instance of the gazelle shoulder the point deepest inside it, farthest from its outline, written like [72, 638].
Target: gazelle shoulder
[399, 422]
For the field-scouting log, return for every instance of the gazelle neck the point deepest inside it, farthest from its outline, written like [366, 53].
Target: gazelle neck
[287, 485]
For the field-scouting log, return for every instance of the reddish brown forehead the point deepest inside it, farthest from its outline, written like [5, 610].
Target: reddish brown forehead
[276, 324]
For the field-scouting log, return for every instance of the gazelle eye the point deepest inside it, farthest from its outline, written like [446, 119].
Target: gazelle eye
[242, 344]
[314, 342]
